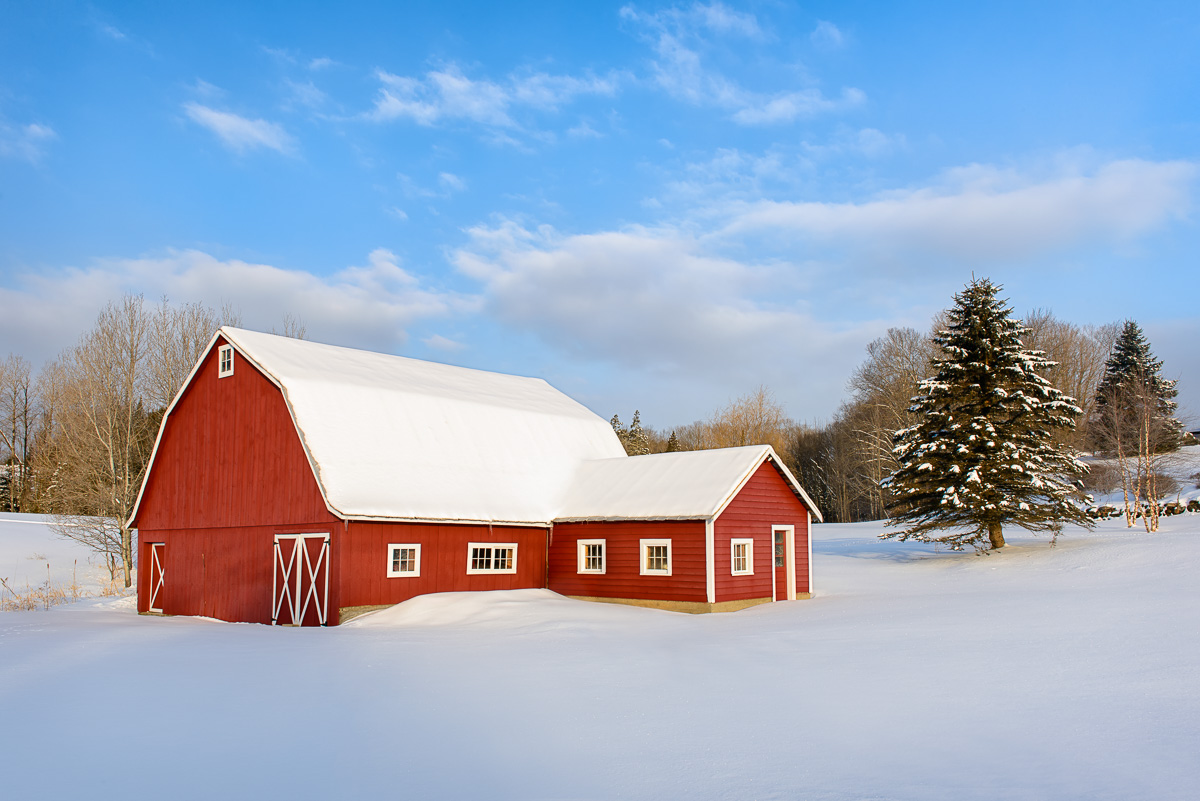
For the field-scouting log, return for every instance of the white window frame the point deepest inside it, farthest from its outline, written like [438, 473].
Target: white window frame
[391, 554]
[471, 546]
[643, 545]
[581, 561]
[223, 352]
[733, 544]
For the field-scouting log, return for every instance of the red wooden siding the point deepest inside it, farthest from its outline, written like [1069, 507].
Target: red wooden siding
[223, 572]
[229, 474]
[363, 560]
[765, 500]
[622, 577]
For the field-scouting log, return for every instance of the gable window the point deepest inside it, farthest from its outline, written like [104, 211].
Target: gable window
[225, 361]
[491, 557]
[404, 560]
[656, 557]
[742, 557]
[591, 556]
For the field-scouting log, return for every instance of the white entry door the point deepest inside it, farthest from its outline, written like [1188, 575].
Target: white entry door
[300, 592]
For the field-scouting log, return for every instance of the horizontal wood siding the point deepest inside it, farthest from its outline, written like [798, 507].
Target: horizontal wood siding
[363, 560]
[225, 573]
[765, 500]
[230, 457]
[622, 578]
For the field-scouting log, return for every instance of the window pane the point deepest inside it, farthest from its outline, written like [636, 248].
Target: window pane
[779, 540]
[395, 560]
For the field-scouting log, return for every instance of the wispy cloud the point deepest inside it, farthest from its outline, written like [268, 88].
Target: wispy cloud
[680, 39]
[241, 134]
[25, 142]
[827, 35]
[449, 95]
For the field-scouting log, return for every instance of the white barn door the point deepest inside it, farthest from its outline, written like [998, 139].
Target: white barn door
[300, 588]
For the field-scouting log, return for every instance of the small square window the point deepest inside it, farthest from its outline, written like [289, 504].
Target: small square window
[491, 557]
[591, 556]
[742, 557]
[656, 557]
[404, 560]
[225, 361]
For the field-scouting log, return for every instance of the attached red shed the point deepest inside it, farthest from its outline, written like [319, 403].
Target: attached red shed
[697, 531]
[293, 483]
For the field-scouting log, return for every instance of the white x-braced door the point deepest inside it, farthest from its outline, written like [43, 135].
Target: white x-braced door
[158, 554]
[300, 591]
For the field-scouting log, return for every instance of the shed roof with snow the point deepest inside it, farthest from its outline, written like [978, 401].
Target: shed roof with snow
[685, 485]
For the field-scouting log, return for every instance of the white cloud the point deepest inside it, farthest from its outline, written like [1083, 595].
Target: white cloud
[306, 94]
[451, 182]
[985, 214]
[239, 133]
[439, 342]
[447, 94]
[827, 35]
[654, 300]
[677, 37]
[789, 106]
[371, 306]
[321, 63]
[26, 142]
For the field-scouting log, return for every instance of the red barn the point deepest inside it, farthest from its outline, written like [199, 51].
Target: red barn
[296, 483]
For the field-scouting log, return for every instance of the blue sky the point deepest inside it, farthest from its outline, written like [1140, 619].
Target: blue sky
[654, 206]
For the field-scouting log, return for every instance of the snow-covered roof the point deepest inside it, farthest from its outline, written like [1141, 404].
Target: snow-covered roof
[686, 485]
[397, 438]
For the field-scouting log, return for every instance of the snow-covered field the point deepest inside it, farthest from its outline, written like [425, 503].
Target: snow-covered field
[31, 555]
[1035, 673]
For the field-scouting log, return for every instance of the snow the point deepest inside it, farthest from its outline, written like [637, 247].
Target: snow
[31, 554]
[399, 438]
[1032, 673]
[685, 485]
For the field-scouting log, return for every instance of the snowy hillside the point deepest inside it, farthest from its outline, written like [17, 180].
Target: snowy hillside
[1033, 673]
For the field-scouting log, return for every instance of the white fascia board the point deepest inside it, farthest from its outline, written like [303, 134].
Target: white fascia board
[627, 519]
[223, 333]
[443, 521]
[769, 453]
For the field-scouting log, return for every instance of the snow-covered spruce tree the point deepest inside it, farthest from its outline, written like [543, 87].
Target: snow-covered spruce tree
[982, 455]
[1131, 374]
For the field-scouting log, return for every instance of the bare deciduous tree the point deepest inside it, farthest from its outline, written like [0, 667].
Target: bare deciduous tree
[18, 415]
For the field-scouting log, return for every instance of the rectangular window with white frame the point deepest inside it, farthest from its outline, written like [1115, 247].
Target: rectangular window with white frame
[591, 556]
[225, 361]
[404, 560]
[491, 557]
[742, 557]
[656, 557]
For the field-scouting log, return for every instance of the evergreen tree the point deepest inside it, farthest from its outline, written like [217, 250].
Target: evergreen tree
[982, 454]
[1133, 376]
[672, 443]
[637, 443]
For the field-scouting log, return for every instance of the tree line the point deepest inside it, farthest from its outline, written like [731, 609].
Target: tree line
[1124, 410]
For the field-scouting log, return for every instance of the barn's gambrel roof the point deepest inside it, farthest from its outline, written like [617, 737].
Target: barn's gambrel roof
[685, 485]
[393, 438]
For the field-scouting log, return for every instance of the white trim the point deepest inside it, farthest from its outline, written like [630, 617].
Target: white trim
[471, 546]
[298, 601]
[809, 538]
[642, 546]
[769, 454]
[581, 557]
[710, 560]
[733, 544]
[222, 370]
[391, 559]
[157, 578]
[789, 557]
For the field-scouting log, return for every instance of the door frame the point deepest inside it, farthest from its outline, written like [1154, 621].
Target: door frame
[292, 585]
[157, 578]
[789, 561]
